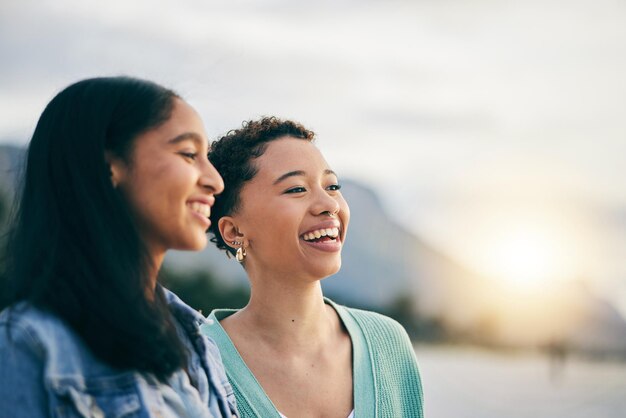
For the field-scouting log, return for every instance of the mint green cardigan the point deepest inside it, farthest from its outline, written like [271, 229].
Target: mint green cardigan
[386, 377]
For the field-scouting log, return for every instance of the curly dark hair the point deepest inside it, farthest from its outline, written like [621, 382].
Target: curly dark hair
[233, 155]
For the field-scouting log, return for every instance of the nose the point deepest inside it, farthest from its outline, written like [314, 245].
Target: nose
[326, 204]
[211, 179]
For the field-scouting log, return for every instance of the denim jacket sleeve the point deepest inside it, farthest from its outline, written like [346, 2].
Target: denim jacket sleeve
[22, 391]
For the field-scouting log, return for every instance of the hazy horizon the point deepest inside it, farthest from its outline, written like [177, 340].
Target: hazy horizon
[492, 129]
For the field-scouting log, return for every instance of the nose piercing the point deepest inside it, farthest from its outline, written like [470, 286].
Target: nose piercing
[331, 214]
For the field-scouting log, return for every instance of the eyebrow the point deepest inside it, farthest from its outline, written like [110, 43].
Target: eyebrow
[296, 173]
[188, 136]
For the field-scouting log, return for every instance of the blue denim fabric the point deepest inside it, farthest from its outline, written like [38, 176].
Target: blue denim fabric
[46, 370]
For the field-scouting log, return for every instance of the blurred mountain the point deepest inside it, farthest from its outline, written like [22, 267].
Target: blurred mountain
[384, 263]
[600, 327]
[11, 159]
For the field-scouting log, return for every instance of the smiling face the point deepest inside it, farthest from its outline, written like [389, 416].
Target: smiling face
[169, 182]
[292, 215]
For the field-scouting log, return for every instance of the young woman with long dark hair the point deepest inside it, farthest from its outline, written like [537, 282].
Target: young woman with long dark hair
[116, 174]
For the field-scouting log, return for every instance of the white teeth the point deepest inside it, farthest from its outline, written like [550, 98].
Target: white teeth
[328, 232]
[201, 208]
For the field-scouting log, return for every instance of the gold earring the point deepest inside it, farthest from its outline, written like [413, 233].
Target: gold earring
[241, 254]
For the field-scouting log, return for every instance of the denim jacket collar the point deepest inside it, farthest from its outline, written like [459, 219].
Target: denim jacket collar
[210, 358]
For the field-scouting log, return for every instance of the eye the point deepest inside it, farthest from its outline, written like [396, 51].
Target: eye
[189, 155]
[298, 189]
[334, 187]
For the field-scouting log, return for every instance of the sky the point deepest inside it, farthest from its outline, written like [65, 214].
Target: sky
[495, 130]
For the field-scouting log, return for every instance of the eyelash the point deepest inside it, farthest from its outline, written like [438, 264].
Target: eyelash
[300, 189]
[190, 155]
[295, 190]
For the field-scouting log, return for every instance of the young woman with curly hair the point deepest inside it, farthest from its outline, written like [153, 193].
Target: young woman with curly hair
[291, 352]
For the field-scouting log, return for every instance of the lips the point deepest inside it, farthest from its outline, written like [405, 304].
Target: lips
[325, 236]
[201, 210]
[331, 233]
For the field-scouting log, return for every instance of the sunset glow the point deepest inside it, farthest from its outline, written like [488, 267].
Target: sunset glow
[526, 257]
[529, 253]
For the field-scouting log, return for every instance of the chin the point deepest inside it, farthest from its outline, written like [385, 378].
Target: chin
[328, 270]
[194, 244]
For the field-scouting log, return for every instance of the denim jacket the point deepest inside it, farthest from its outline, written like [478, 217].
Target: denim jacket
[47, 371]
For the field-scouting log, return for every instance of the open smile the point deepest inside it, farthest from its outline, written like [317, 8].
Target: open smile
[324, 239]
[201, 211]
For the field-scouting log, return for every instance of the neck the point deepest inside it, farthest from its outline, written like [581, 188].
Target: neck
[156, 259]
[286, 312]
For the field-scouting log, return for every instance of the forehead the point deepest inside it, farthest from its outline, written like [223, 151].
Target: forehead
[289, 154]
[184, 119]
[184, 123]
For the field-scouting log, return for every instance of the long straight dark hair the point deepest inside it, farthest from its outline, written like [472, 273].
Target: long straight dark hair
[74, 249]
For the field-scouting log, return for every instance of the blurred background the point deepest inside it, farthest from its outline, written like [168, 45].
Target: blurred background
[480, 145]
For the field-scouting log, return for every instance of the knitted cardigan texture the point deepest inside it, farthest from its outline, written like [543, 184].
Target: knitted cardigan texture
[385, 373]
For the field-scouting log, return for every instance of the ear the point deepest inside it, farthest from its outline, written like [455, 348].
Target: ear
[229, 231]
[117, 167]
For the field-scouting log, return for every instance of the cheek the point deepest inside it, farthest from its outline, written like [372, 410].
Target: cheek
[168, 182]
[272, 231]
[147, 209]
[153, 191]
